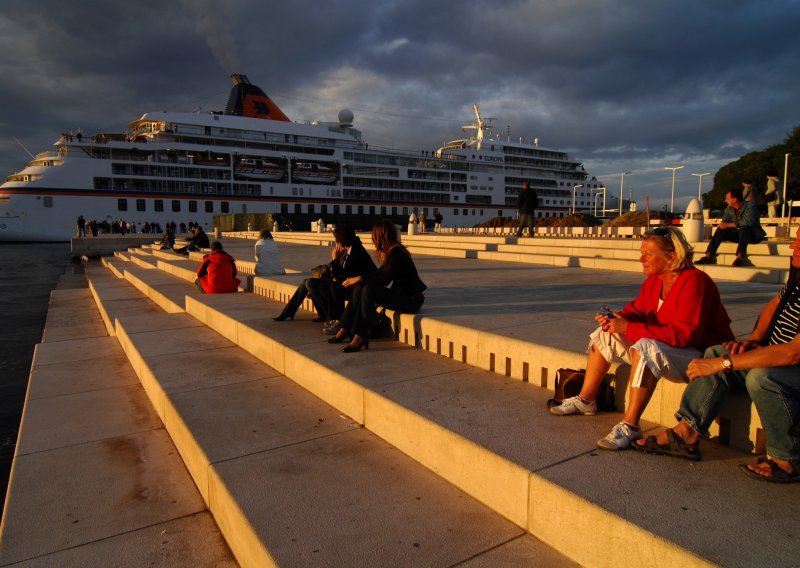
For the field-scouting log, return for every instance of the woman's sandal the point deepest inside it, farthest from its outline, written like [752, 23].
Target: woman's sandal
[675, 447]
[778, 473]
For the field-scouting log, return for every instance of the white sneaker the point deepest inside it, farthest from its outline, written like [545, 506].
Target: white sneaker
[620, 437]
[574, 405]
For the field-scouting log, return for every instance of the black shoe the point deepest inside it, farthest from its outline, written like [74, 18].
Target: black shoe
[353, 348]
[705, 260]
[739, 261]
[283, 317]
[340, 339]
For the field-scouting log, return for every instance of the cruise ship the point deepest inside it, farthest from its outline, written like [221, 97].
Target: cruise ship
[251, 158]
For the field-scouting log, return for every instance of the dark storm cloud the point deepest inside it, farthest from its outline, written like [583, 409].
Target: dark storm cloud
[624, 85]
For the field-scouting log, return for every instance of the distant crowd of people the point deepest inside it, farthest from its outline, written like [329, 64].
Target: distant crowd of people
[92, 227]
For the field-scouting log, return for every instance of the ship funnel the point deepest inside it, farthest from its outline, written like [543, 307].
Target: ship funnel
[239, 79]
[249, 100]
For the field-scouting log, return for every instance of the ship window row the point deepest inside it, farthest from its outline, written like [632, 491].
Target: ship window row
[535, 152]
[371, 171]
[24, 177]
[169, 172]
[422, 174]
[396, 184]
[408, 161]
[240, 134]
[287, 147]
[169, 186]
[368, 195]
[560, 167]
[175, 205]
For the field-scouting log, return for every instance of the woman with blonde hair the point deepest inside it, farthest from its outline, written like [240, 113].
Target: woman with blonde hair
[404, 295]
[676, 316]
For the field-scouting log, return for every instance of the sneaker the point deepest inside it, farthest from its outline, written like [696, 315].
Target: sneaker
[620, 437]
[574, 405]
[705, 260]
[332, 329]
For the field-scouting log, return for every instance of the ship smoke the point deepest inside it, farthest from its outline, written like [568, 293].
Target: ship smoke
[215, 20]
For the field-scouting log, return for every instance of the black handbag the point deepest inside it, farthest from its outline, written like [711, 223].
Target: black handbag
[322, 271]
[381, 326]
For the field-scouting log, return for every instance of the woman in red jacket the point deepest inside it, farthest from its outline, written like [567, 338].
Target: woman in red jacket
[217, 272]
[677, 314]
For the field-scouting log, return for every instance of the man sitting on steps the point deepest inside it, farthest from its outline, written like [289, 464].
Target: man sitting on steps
[739, 224]
[767, 364]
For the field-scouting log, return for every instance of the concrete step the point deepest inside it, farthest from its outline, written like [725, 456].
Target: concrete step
[276, 465]
[96, 481]
[487, 437]
[521, 347]
[767, 261]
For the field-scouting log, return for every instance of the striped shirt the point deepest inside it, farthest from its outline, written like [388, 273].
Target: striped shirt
[787, 324]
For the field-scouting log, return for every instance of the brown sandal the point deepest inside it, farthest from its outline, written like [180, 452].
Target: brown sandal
[675, 447]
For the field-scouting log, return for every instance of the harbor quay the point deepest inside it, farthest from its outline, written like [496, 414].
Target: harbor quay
[167, 427]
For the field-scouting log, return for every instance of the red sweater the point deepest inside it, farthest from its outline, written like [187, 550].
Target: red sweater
[217, 273]
[692, 314]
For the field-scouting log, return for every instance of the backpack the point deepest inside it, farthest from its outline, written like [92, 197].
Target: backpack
[569, 383]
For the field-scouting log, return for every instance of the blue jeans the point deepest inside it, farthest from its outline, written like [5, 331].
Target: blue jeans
[775, 392]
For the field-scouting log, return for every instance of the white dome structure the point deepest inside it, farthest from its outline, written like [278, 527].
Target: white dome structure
[346, 117]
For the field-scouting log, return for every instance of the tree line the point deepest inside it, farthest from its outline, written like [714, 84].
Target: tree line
[754, 167]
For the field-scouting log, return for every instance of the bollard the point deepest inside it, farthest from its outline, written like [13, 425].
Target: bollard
[693, 227]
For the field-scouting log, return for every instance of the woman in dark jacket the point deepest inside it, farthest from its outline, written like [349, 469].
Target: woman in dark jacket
[349, 259]
[404, 295]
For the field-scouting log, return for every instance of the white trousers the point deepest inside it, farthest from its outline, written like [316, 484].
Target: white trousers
[663, 360]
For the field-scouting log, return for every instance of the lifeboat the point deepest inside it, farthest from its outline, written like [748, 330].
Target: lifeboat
[313, 173]
[252, 168]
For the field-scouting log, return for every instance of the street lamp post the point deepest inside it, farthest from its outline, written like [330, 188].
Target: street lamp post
[621, 188]
[672, 201]
[598, 190]
[574, 187]
[700, 189]
[785, 185]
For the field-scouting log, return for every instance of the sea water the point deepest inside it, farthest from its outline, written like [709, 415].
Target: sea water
[28, 272]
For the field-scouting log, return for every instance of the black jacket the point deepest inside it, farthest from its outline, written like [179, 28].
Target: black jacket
[401, 271]
[357, 263]
[527, 201]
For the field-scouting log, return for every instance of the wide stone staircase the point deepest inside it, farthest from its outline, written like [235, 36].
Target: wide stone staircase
[436, 449]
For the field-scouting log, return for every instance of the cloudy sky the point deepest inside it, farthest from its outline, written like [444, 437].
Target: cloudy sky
[622, 84]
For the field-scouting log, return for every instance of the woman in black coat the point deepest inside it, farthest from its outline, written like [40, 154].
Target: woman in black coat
[404, 295]
[349, 259]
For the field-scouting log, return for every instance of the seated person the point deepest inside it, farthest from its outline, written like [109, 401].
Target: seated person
[767, 365]
[404, 295]
[739, 224]
[676, 315]
[268, 259]
[198, 240]
[349, 259]
[217, 272]
[168, 241]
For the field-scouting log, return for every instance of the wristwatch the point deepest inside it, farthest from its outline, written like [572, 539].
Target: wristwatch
[727, 364]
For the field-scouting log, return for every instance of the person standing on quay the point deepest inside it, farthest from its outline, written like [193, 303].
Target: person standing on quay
[81, 223]
[526, 204]
[749, 192]
[773, 195]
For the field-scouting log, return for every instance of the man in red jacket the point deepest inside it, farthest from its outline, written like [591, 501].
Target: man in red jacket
[217, 272]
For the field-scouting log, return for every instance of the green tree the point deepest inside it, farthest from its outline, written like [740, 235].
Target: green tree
[755, 166]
